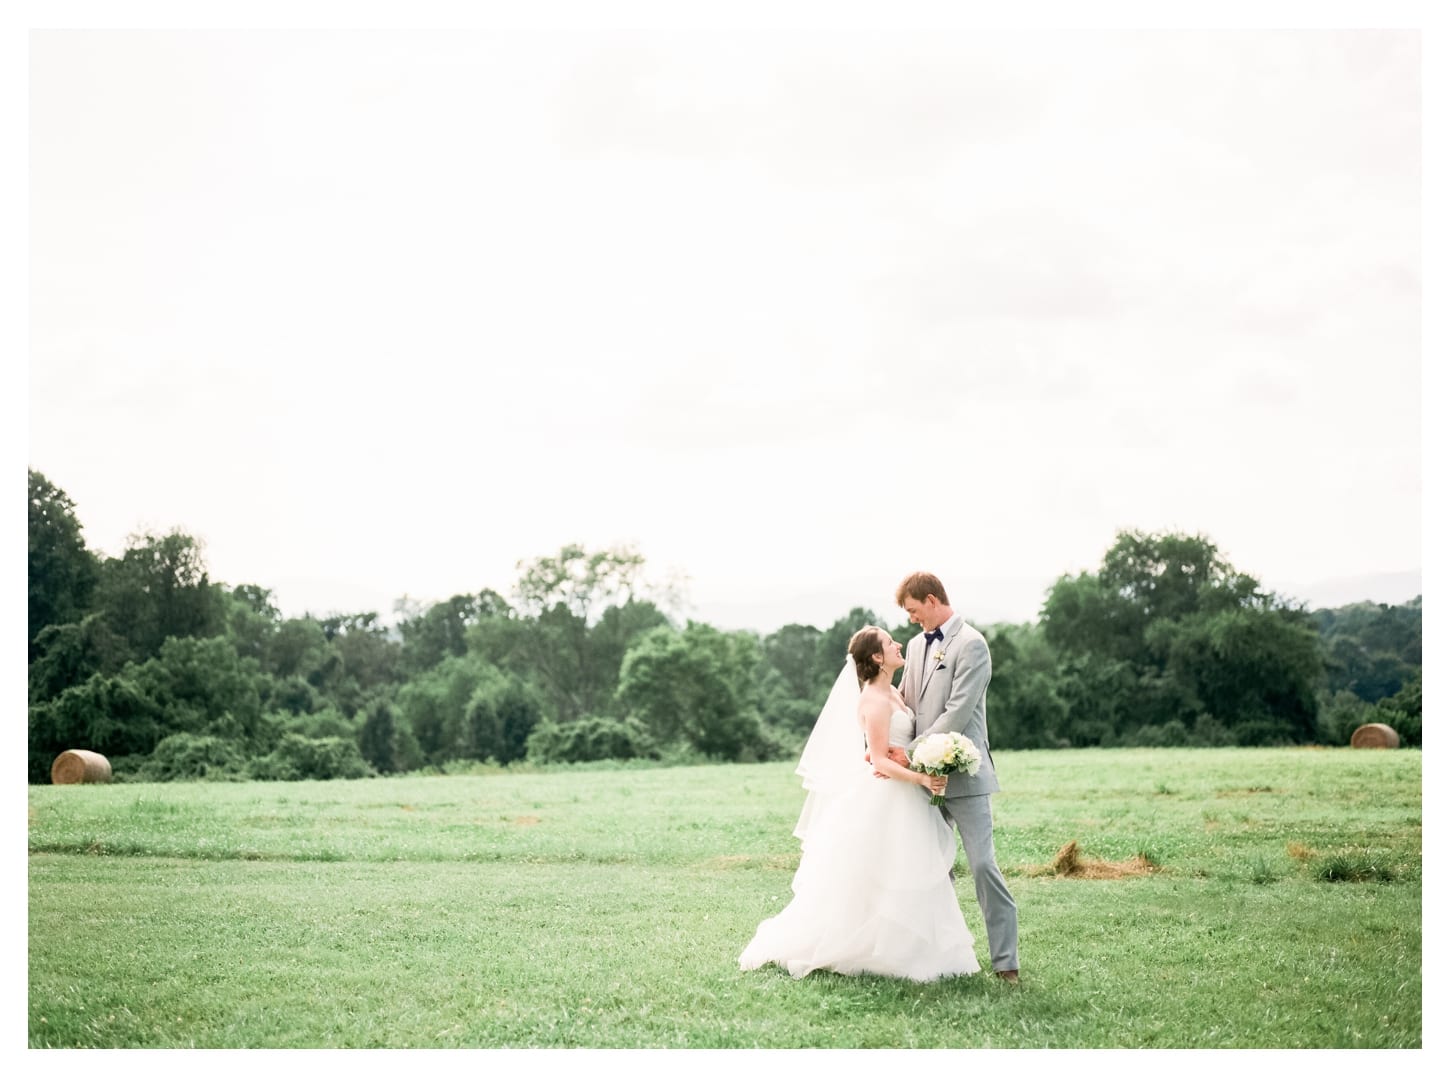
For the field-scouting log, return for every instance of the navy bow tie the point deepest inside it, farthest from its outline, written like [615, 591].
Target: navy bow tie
[934, 634]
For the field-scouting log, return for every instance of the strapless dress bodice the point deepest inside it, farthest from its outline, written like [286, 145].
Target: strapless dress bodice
[902, 729]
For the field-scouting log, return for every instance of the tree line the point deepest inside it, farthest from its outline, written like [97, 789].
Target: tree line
[172, 675]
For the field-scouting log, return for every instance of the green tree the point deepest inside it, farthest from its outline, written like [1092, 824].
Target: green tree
[435, 706]
[106, 714]
[582, 611]
[498, 718]
[1255, 666]
[249, 619]
[203, 686]
[1167, 631]
[1372, 649]
[1025, 705]
[1402, 712]
[384, 740]
[583, 582]
[698, 686]
[62, 573]
[791, 716]
[835, 639]
[1167, 576]
[794, 652]
[1083, 615]
[64, 655]
[578, 613]
[370, 659]
[442, 629]
[609, 639]
[199, 687]
[1099, 695]
[801, 662]
[796, 678]
[158, 589]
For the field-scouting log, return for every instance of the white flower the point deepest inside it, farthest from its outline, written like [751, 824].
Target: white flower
[931, 752]
[965, 754]
[946, 753]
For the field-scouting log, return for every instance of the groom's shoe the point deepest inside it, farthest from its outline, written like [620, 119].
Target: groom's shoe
[1010, 975]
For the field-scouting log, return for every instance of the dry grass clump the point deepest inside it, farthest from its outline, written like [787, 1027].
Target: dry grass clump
[1069, 863]
[1297, 850]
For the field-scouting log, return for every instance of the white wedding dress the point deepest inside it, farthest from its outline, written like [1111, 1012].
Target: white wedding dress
[872, 893]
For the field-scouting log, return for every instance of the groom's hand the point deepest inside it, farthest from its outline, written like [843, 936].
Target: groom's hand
[896, 755]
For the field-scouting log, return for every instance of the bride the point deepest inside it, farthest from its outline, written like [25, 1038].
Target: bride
[872, 892]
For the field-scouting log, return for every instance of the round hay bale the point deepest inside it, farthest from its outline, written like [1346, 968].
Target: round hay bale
[1374, 735]
[76, 766]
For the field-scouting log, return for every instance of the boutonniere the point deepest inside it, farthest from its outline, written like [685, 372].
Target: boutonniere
[939, 655]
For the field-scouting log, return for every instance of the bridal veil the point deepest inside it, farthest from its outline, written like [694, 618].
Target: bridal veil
[836, 748]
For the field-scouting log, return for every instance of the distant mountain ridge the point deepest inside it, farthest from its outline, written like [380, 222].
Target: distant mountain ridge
[1390, 588]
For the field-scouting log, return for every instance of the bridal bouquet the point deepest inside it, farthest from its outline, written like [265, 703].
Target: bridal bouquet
[946, 753]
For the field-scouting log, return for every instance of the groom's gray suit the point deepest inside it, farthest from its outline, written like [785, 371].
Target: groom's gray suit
[946, 688]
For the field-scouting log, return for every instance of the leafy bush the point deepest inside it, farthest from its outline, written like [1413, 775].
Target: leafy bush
[772, 743]
[327, 722]
[191, 756]
[297, 758]
[1209, 732]
[1402, 712]
[590, 738]
[1340, 716]
[291, 694]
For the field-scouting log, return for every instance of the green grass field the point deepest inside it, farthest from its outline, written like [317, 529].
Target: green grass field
[605, 908]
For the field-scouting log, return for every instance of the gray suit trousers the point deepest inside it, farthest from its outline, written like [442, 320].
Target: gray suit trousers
[973, 819]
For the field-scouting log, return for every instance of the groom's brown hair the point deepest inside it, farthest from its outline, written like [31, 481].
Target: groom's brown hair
[918, 585]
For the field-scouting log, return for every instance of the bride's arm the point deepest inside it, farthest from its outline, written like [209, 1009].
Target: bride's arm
[877, 719]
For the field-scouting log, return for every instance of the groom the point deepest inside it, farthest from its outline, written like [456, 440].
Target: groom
[945, 684]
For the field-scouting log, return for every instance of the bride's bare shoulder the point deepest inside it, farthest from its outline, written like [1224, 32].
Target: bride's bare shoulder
[875, 705]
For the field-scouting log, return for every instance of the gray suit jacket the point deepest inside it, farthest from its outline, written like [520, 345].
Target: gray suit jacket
[950, 694]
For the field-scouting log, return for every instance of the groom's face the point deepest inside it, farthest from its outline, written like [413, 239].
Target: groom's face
[927, 613]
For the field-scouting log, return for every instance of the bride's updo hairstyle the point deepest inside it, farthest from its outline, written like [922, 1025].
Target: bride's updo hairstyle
[866, 650]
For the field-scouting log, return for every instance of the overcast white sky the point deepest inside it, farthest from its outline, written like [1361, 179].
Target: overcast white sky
[375, 314]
